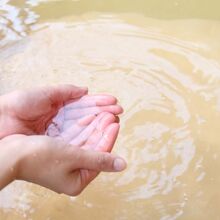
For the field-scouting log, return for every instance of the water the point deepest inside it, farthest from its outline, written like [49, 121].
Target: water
[165, 70]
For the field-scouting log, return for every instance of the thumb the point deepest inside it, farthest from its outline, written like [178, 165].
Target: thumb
[99, 161]
[66, 92]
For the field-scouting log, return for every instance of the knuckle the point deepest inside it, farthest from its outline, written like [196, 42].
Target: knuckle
[44, 141]
[103, 161]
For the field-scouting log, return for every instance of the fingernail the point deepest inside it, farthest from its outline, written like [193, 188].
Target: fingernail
[119, 164]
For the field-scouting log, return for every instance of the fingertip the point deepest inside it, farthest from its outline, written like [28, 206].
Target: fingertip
[109, 137]
[121, 110]
[119, 164]
[116, 109]
[84, 90]
[112, 100]
[104, 100]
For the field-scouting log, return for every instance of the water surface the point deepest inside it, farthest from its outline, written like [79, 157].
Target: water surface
[166, 74]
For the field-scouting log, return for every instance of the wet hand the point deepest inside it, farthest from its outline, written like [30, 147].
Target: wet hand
[82, 117]
[62, 167]
[33, 111]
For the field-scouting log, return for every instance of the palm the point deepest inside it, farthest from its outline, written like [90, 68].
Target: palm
[89, 123]
[66, 113]
[77, 121]
[96, 133]
[62, 167]
[33, 112]
[28, 113]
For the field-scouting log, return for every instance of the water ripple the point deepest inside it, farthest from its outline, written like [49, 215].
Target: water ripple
[169, 87]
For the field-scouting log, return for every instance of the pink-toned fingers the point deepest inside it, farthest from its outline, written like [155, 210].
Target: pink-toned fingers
[91, 101]
[85, 134]
[70, 128]
[76, 128]
[76, 113]
[89, 133]
[108, 139]
[98, 132]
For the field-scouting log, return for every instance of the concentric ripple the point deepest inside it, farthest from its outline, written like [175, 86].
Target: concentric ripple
[167, 81]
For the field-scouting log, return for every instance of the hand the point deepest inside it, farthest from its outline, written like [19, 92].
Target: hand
[82, 116]
[61, 167]
[31, 112]
[81, 124]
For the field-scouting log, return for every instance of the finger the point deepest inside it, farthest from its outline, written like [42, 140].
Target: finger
[59, 119]
[75, 113]
[63, 93]
[97, 134]
[91, 101]
[84, 121]
[52, 131]
[84, 135]
[56, 126]
[99, 161]
[62, 121]
[67, 130]
[108, 139]
[71, 131]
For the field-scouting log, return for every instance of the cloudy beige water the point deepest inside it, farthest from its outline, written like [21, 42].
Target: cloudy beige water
[166, 74]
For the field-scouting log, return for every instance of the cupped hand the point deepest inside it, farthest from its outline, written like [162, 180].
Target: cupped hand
[80, 133]
[77, 121]
[68, 168]
[33, 111]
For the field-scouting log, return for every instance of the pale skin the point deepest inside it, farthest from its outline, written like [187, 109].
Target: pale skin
[58, 137]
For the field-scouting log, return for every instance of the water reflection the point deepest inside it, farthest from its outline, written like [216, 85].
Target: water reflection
[16, 198]
[15, 21]
[18, 18]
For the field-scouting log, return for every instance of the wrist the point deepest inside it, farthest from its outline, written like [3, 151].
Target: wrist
[3, 118]
[10, 157]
